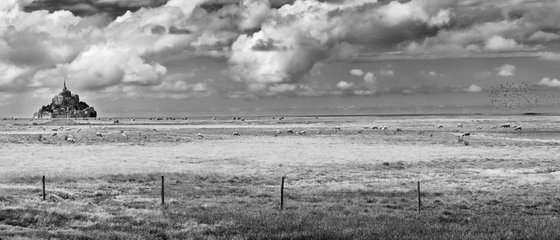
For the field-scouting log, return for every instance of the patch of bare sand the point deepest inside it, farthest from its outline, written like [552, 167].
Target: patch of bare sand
[244, 155]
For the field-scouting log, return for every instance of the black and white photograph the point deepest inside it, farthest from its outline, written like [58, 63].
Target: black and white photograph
[279, 119]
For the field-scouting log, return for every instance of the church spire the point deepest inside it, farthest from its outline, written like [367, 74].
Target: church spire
[64, 89]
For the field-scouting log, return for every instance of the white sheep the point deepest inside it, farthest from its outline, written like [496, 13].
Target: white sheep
[466, 134]
[518, 128]
[199, 135]
[440, 126]
[235, 134]
[506, 125]
[98, 134]
[459, 125]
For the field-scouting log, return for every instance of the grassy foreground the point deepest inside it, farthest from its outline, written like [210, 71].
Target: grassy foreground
[234, 207]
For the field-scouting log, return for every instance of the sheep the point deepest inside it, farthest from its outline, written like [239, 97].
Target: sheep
[235, 134]
[440, 126]
[506, 125]
[133, 119]
[384, 128]
[466, 134]
[460, 139]
[374, 127]
[54, 134]
[70, 140]
[98, 134]
[302, 132]
[278, 132]
[518, 128]
[200, 135]
[124, 135]
[290, 131]
[399, 130]
[459, 125]
[479, 127]
[337, 128]
[55, 129]
[281, 118]
[116, 121]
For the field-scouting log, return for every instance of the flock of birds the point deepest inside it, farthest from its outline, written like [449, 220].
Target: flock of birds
[508, 96]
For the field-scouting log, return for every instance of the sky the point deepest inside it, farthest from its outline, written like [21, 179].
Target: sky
[258, 57]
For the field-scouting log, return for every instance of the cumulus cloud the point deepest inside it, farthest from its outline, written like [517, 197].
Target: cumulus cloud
[268, 45]
[344, 85]
[356, 72]
[547, 82]
[473, 89]
[506, 70]
[498, 43]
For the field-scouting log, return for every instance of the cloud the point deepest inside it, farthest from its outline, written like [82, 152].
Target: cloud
[506, 70]
[550, 56]
[473, 89]
[498, 43]
[547, 82]
[370, 81]
[356, 72]
[344, 85]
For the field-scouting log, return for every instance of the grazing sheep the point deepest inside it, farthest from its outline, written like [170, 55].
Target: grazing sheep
[290, 131]
[242, 119]
[133, 119]
[384, 128]
[55, 129]
[399, 130]
[459, 125]
[479, 127]
[70, 140]
[460, 139]
[466, 134]
[98, 134]
[302, 132]
[278, 131]
[235, 134]
[54, 134]
[374, 127]
[116, 121]
[506, 125]
[199, 135]
[297, 132]
[213, 118]
[440, 126]
[124, 135]
[281, 118]
[518, 128]
[337, 128]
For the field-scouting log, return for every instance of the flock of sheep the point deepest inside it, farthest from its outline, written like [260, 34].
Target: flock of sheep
[287, 131]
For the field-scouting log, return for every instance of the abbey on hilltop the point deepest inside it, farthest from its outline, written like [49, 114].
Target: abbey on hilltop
[65, 105]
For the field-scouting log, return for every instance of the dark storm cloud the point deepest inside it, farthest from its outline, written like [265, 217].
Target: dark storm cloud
[91, 7]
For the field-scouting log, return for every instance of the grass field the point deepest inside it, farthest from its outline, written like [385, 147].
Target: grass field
[356, 183]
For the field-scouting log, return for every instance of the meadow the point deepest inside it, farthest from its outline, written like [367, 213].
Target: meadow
[358, 182]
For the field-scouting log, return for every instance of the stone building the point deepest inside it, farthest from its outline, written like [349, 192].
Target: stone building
[66, 105]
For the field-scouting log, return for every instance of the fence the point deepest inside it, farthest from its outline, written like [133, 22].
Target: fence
[281, 197]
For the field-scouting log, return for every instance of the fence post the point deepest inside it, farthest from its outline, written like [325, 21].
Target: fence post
[282, 194]
[44, 192]
[162, 191]
[419, 200]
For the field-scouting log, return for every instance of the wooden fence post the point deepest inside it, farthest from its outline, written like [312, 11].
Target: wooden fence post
[162, 191]
[44, 192]
[419, 200]
[282, 194]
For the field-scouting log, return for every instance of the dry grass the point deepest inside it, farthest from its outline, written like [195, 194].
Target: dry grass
[353, 184]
